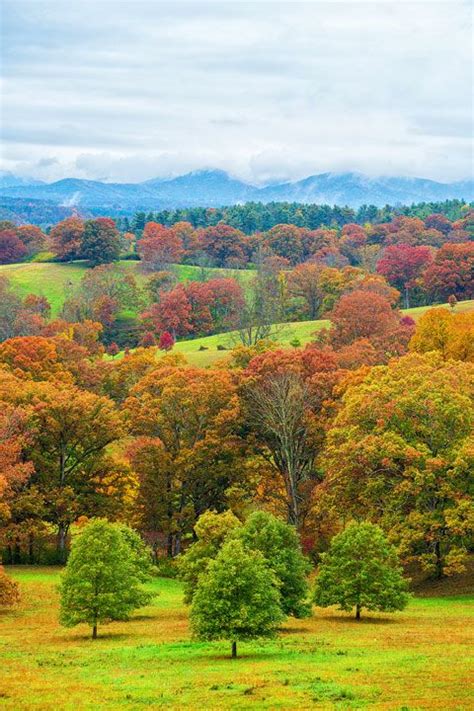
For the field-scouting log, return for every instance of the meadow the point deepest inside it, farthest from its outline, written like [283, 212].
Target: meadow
[416, 659]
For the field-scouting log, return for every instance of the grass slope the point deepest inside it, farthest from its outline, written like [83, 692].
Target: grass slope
[417, 659]
[55, 280]
[284, 334]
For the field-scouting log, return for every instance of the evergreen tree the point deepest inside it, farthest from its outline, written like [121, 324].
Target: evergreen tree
[237, 598]
[278, 542]
[361, 570]
[101, 582]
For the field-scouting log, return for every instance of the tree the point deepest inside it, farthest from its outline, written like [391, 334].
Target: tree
[196, 456]
[166, 341]
[12, 248]
[237, 598]
[9, 590]
[361, 570]
[399, 453]
[212, 530]
[71, 429]
[450, 333]
[451, 272]
[403, 265]
[101, 582]
[305, 282]
[159, 247]
[278, 543]
[66, 238]
[286, 241]
[366, 314]
[224, 245]
[100, 241]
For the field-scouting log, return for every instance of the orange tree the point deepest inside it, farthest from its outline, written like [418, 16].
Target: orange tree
[69, 432]
[401, 454]
[189, 448]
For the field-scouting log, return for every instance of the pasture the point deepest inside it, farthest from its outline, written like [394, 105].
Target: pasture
[418, 659]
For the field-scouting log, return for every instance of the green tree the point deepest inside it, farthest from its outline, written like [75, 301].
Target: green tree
[278, 542]
[237, 598]
[100, 241]
[101, 582]
[361, 570]
[211, 530]
[141, 553]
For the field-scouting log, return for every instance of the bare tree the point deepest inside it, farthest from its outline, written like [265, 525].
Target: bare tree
[278, 409]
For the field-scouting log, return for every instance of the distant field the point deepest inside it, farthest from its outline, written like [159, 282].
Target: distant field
[417, 659]
[54, 281]
[302, 330]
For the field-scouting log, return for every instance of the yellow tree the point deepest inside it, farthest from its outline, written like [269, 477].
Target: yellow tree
[400, 453]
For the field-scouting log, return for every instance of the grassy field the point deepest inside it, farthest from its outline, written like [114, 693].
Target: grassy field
[417, 659]
[284, 334]
[55, 280]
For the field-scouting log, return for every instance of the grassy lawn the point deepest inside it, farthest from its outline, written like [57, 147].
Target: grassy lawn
[417, 659]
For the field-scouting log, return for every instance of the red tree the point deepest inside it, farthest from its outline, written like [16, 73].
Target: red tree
[12, 248]
[159, 247]
[224, 245]
[66, 238]
[166, 341]
[403, 265]
[451, 273]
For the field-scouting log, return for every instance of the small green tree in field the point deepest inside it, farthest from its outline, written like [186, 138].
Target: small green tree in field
[9, 592]
[101, 582]
[211, 530]
[361, 570]
[237, 598]
[278, 542]
[141, 553]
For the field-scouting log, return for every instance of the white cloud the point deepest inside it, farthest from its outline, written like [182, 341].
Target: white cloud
[134, 89]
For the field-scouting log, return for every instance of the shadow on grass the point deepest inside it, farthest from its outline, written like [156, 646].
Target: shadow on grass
[363, 621]
[102, 636]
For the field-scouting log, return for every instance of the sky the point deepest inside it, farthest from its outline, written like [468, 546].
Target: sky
[127, 90]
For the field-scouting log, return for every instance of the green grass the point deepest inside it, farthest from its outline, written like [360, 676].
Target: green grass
[282, 334]
[54, 281]
[417, 659]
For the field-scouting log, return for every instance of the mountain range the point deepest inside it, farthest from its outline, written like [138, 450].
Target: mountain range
[215, 188]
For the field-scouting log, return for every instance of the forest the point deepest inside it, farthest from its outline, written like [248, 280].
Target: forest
[269, 478]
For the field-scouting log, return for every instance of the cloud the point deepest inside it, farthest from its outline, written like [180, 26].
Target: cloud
[133, 89]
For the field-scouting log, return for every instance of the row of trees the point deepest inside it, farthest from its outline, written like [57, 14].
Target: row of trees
[241, 579]
[258, 217]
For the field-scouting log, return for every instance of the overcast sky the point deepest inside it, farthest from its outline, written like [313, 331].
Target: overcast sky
[132, 89]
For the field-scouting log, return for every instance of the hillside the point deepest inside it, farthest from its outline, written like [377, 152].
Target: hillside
[53, 280]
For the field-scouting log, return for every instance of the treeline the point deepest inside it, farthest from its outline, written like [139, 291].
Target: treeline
[259, 217]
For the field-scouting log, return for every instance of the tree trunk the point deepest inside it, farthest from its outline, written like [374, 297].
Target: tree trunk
[177, 545]
[62, 534]
[169, 545]
[94, 631]
[439, 561]
[357, 612]
[234, 650]
[407, 298]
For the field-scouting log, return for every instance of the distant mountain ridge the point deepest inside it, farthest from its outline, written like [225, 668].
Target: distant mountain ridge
[215, 188]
